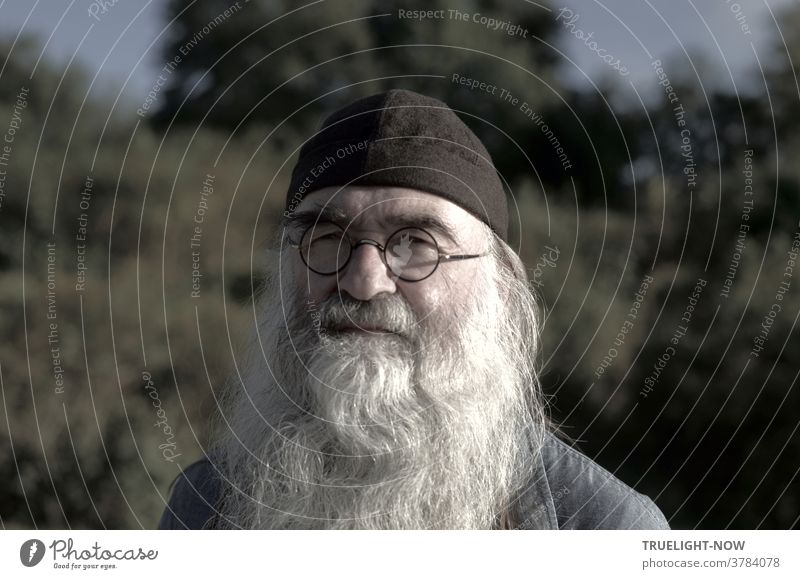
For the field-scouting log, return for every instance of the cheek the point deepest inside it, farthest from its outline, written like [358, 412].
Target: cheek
[462, 284]
[434, 298]
[446, 292]
[317, 288]
[424, 300]
[310, 286]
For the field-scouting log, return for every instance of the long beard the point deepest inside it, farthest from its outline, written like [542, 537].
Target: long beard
[428, 427]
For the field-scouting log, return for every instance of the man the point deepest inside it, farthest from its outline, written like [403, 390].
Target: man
[392, 384]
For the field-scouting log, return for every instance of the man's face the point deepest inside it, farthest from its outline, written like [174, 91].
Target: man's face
[377, 212]
[338, 426]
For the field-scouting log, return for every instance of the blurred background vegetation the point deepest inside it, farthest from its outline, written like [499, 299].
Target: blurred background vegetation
[714, 442]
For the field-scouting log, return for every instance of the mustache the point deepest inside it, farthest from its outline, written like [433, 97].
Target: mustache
[390, 314]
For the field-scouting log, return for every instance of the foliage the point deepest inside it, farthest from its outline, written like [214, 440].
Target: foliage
[712, 441]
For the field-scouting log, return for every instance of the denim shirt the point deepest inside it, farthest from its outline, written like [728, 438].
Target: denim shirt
[567, 490]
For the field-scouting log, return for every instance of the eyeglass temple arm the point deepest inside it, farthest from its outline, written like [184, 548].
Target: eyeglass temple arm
[450, 257]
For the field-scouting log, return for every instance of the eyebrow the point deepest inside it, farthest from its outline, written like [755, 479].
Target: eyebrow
[332, 214]
[309, 217]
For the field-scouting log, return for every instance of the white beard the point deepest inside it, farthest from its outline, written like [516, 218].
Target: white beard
[428, 429]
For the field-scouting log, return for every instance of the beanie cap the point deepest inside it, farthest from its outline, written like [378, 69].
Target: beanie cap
[403, 139]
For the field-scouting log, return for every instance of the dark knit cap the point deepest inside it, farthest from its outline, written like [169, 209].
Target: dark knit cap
[404, 139]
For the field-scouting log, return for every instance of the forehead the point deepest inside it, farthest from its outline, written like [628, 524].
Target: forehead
[377, 206]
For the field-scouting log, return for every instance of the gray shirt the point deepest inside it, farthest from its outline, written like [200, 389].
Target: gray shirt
[567, 490]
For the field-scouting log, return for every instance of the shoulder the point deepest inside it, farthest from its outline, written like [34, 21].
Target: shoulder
[587, 496]
[193, 499]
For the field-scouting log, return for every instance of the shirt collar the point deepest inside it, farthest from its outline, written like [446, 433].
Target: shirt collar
[534, 507]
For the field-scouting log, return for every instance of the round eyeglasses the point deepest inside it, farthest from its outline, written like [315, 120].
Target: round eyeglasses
[410, 253]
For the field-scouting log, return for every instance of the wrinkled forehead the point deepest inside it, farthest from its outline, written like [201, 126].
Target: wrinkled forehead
[385, 208]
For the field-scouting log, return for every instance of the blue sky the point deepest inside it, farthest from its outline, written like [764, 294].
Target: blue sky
[122, 49]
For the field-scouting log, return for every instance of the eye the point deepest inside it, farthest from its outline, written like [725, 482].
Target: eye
[323, 232]
[417, 241]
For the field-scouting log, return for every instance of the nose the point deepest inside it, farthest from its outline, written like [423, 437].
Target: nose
[366, 276]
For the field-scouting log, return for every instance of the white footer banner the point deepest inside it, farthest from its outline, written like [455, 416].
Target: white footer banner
[388, 554]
